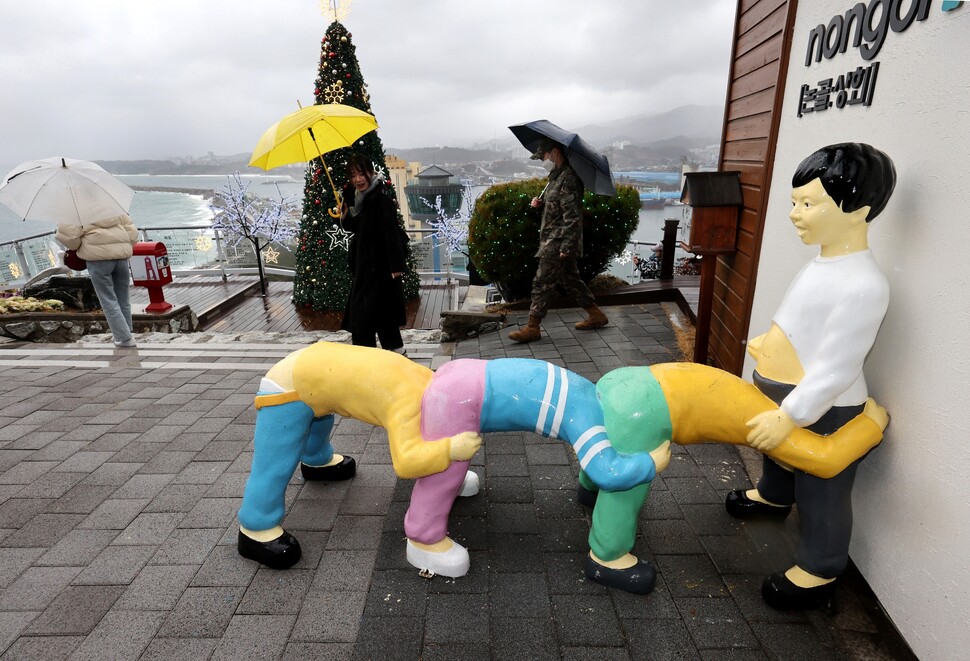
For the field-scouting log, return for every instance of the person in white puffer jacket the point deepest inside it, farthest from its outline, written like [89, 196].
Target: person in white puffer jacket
[106, 246]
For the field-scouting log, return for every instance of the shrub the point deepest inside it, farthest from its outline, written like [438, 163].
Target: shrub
[503, 233]
[16, 304]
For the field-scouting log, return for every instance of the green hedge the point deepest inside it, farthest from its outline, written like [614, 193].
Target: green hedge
[503, 234]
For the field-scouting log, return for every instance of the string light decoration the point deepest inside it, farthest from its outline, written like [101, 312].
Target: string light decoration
[322, 279]
[203, 243]
[271, 256]
[245, 216]
[339, 237]
[336, 10]
[623, 258]
[451, 229]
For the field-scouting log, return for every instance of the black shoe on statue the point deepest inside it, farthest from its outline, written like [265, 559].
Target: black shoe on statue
[740, 506]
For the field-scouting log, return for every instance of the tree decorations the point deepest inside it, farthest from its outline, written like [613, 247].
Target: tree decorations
[623, 258]
[334, 93]
[339, 238]
[336, 10]
[450, 228]
[242, 215]
[322, 280]
[271, 256]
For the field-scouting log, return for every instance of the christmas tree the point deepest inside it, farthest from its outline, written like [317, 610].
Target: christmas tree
[323, 279]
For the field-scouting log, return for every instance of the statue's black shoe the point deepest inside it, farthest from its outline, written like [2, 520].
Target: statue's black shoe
[585, 497]
[280, 553]
[740, 506]
[638, 579]
[780, 593]
[345, 470]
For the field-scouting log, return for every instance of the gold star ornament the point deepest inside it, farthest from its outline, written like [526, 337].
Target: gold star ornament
[271, 256]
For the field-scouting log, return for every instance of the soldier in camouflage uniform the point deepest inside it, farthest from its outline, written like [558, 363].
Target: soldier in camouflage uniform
[560, 245]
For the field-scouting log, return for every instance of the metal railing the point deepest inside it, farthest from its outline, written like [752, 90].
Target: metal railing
[202, 250]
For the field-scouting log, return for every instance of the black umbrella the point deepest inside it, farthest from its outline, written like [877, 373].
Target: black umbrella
[592, 167]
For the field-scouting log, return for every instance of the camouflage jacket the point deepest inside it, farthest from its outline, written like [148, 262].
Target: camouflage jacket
[562, 215]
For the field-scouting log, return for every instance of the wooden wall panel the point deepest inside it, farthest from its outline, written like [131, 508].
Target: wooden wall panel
[746, 128]
[755, 81]
[763, 31]
[753, 12]
[763, 54]
[759, 65]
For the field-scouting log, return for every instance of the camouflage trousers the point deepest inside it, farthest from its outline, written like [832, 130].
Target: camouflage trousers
[552, 272]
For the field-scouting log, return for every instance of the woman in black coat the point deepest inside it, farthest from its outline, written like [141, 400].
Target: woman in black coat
[377, 262]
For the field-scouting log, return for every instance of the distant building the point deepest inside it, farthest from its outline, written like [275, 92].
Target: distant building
[400, 172]
[424, 189]
[422, 194]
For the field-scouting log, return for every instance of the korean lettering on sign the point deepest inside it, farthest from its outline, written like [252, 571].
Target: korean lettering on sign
[852, 88]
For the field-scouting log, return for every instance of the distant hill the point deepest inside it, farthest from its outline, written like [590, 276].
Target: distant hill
[643, 140]
[662, 137]
[693, 122]
[442, 155]
[207, 165]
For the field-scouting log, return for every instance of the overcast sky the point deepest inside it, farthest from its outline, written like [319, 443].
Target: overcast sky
[128, 79]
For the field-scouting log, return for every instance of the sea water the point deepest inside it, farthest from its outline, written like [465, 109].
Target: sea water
[161, 208]
[190, 206]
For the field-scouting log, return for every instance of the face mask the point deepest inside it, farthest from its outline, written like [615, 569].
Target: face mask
[549, 166]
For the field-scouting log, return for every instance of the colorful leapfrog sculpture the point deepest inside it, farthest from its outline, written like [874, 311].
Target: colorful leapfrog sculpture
[433, 420]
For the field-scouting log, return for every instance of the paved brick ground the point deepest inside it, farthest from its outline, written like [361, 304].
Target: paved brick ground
[120, 480]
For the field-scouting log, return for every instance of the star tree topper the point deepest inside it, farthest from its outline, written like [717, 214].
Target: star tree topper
[337, 10]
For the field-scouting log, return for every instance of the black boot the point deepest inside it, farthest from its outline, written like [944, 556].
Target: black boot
[280, 553]
[740, 506]
[345, 470]
[781, 594]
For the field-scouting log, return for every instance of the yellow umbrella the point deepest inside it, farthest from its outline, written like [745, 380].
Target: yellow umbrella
[310, 133]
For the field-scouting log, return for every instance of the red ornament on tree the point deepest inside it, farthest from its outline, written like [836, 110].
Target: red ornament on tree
[331, 55]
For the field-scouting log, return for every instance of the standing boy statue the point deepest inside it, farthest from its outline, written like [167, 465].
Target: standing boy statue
[810, 362]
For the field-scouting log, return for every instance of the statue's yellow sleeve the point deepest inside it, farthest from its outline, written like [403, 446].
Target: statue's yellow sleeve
[707, 404]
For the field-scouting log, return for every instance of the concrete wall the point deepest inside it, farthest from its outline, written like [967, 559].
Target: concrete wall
[912, 509]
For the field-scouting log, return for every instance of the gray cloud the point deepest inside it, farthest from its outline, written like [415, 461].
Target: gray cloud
[123, 79]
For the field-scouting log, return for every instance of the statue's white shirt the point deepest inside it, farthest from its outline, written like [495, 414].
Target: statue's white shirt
[831, 314]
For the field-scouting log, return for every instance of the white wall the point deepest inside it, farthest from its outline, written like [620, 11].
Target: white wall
[912, 502]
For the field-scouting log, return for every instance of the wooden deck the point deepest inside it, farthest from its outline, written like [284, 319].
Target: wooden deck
[236, 306]
[682, 289]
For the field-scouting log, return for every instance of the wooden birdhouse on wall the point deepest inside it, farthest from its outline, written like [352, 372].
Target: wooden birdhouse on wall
[715, 203]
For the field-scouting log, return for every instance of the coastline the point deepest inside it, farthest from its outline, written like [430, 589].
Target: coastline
[207, 194]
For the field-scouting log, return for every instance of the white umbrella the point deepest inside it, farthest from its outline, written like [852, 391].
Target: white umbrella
[64, 190]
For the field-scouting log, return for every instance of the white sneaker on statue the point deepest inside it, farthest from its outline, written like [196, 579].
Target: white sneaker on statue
[470, 485]
[451, 563]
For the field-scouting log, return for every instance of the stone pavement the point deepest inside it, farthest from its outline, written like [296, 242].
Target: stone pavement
[121, 473]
